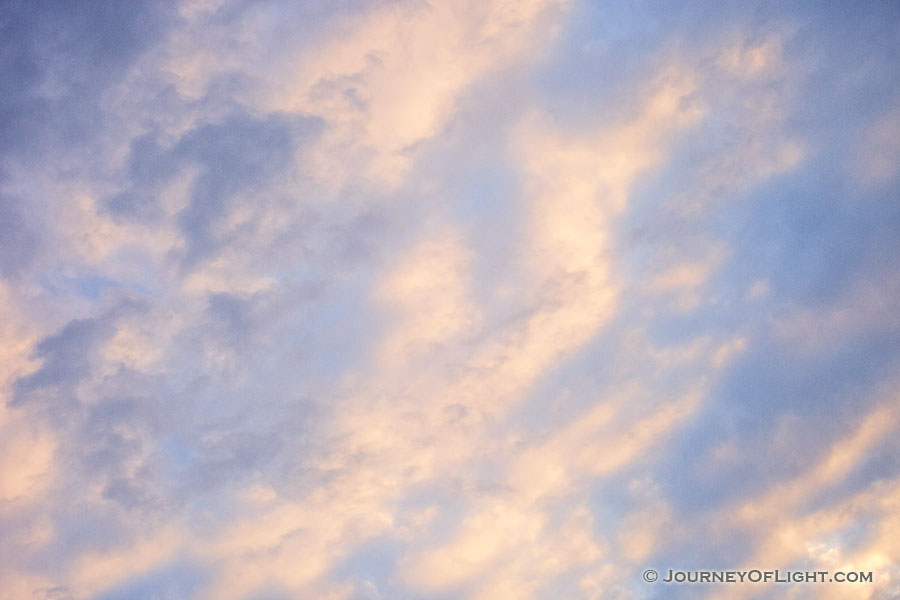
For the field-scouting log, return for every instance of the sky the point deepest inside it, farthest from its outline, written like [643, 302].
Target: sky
[450, 299]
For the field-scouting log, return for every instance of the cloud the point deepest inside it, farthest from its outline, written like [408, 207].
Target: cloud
[28, 457]
[402, 299]
[20, 241]
[66, 358]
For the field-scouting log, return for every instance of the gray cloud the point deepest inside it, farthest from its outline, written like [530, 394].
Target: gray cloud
[67, 358]
[57, 57]
[237, 157]
[18, 238]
